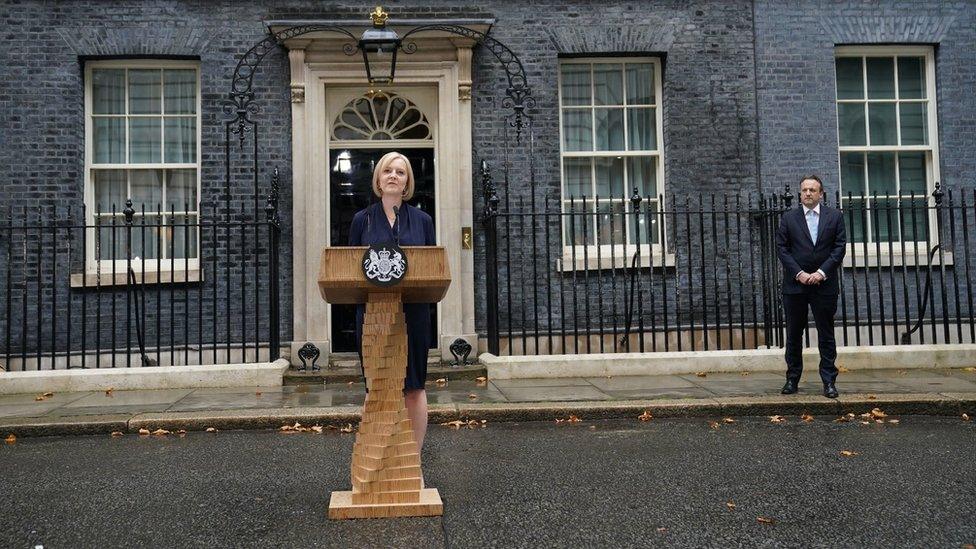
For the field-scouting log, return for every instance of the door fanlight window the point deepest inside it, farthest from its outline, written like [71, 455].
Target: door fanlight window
[380, 116]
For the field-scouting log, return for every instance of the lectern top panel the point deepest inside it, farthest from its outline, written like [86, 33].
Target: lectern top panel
[341, 279]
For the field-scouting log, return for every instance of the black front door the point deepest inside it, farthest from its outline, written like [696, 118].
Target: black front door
[350, 190]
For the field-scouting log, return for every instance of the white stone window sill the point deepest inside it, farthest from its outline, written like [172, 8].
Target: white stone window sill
[616, 259]
[120, 278]
[859, 260]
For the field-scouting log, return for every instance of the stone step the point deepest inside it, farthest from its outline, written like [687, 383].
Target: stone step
[344, 367]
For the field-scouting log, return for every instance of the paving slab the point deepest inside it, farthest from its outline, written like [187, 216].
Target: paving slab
[551, 394]
[619, 383]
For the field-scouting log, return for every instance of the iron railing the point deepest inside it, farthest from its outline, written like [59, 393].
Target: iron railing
[700, 272]
[127, 288]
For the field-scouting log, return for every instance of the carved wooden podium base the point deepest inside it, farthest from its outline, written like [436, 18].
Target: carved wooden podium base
[386, 475]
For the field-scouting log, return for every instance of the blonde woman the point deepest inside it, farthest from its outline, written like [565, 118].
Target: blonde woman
[393, 183]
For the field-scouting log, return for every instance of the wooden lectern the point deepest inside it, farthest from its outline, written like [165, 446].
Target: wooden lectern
[386, 474]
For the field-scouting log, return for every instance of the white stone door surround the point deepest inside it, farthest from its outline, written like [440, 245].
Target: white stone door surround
[442, 65]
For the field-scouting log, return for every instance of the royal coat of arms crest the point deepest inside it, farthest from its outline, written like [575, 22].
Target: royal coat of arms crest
[384, 264]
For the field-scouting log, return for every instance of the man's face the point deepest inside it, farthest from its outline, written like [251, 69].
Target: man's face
[810, 193]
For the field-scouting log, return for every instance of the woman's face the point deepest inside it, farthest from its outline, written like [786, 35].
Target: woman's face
[393, 178]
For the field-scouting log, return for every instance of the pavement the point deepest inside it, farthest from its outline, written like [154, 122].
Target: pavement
[945, 392]
[682, 482]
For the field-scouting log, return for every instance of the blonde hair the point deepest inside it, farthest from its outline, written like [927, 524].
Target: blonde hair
[388, 159]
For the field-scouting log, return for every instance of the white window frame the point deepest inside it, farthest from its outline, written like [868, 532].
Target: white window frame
[586, 255]
[872, 257]
[170, 269]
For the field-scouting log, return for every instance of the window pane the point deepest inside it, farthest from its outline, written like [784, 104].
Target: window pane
[911, 78]
[642, 173]
[577, 130]
[640, 84]
[573, 222]
[575, 84]
[608, 82]
[654, 219]
[850, 122]
[181, 190]
[180, 91]
[914, 126]
[884, 220]
[109, 190]
[641, 129]
[108, 91]
[850, 78]
[610, 178]
[145, 237]
[854, 216]
[108, 140]
[181, 139]
[610, 223]
[147, 189]
[911, 173]
[578, 178]
[881, 173]
[144, 140]
[881, 77]
[852, 173]
[881, 119]
[144, 91]
[184, 237]
[110, 240]
[609, 129]
[914, 221]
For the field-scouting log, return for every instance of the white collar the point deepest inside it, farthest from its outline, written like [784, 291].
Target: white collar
[813, 209]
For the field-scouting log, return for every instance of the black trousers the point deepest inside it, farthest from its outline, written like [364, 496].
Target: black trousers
[823, 307]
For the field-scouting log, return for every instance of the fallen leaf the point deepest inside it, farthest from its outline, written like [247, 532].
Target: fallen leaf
[317, 429]
[456, 424]
[108, 392]
[593, 427]
[286, 428]
[842, 369]
[257, 393]
[730, 504]
[807, 418]
[181, 432]
[211, 430]
[728, 420]
[117, 433]
[472, 396]
[350, 383]
[441, 381]
[11, 439]
[766, 520]
[777, 419]
[47, 395]
[482, 380]
[160, 432]
[894, 421]
[970, 369]
[848, 453]
[902, 372]
[701, 374]
[39, 397]
[872, 397]
[713, 425]
[743, 373]
[646, 416]
[965, 417]
[865, 423]
[144, 432]
[347, 429]
[878, 414]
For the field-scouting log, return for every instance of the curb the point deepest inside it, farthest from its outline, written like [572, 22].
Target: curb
[935, 404]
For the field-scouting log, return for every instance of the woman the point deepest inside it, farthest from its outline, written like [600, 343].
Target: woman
[393, 182]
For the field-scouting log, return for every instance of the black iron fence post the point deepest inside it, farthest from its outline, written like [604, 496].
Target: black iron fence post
[274, 233]
[490, 222]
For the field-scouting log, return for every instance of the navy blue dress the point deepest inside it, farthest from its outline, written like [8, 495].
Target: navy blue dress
[370, 226]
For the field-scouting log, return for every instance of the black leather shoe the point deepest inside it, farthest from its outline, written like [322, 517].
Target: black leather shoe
[789, 388]
[830, 391]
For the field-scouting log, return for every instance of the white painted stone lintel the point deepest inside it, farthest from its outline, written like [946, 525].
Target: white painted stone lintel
[261, 374]
[753, 360]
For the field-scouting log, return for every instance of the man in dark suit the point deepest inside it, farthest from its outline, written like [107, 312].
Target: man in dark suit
[811, 242]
